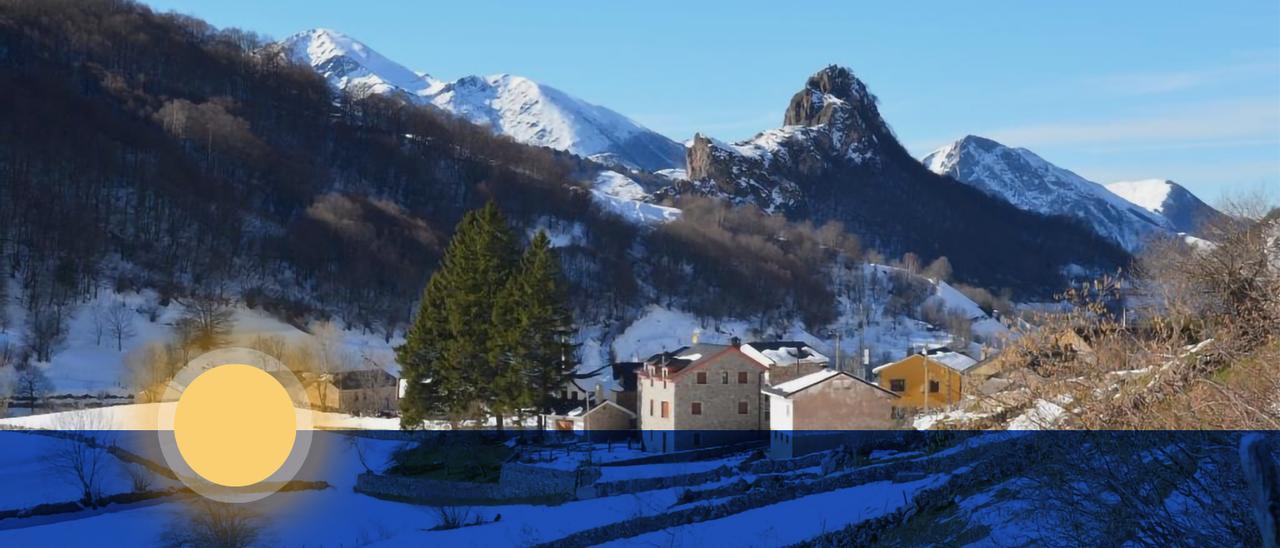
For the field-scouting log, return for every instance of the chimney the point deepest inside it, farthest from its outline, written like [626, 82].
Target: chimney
[736, 342]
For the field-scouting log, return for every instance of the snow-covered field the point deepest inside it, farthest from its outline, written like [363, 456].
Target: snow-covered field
[30, 477]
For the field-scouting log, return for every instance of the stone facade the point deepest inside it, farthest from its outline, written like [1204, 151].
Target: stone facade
[713, 400]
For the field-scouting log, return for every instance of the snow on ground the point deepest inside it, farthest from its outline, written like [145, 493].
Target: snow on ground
[673, 174]
[145, 416]
[624, 197]
[87, 365]
[618, 185]
[791, 521]
[524, 525]
[330, 517]
[926, 422]
[1042, 415]
[635, 212]
[29, 478]
[1149, 194]
[618, 473]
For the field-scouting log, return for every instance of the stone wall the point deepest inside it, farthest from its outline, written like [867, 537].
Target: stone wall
[517, 483]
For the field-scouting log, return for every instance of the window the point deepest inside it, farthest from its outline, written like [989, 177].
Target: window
[898, 385]
[575, 396]
[743, 407]
[724, 377]
[650, 408]
[666, 409]
[933, 387]
[702, 377]
[742, 377]
[695, 408]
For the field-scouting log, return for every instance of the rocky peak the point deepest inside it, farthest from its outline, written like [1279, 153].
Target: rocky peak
[834, 99]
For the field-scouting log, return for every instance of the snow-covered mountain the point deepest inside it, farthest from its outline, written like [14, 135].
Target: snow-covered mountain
[521, 108]
[1184, 211]
[1027, 181]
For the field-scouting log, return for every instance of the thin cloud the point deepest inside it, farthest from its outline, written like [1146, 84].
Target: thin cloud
[1173, 81]
[1246, 119]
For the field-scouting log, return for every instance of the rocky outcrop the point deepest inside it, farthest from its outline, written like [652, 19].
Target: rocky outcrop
[837, 160]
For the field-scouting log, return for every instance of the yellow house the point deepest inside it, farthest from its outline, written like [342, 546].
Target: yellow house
[931, 379]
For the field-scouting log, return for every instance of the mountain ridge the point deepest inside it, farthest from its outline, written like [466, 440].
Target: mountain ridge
[526, 110]
[1030, 182]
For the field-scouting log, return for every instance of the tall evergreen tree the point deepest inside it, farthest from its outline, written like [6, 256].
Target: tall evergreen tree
[445, 358]
[534, 330]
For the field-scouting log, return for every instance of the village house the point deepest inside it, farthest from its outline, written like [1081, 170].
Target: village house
[699, 396]
[785, 360]
[370, 391]
[585, 389]
[933, 378]
[606, 421]
[826, 409]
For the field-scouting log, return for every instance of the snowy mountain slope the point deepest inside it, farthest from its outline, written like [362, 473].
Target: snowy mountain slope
[624, 197]
[350, 65]
[1184, 211]
[518, 107]
[1027, 181]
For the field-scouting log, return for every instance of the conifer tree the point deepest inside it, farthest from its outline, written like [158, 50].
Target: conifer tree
[534, 330]
[445, 359]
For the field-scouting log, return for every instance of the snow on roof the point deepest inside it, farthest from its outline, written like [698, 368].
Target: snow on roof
[783, 353]
[953, 360]
[691, 357]
[800, 383]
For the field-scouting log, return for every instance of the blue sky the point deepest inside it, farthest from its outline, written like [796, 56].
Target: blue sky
[1111, 90]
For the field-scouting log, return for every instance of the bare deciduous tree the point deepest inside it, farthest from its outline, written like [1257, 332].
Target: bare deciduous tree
[119, 322]
[206, 323]
[32, 385]
[205, 523]
[82, 457]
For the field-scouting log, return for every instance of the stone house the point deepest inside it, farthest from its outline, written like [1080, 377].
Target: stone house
[604, 422]
[825, 409]
[933, 378]
[700, 395]
[370, 391]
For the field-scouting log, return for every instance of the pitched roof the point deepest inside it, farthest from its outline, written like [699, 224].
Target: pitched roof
[942, 356]
[686, 356]
[692, 357]
[771, 353]
[798, 384]
[611, 404]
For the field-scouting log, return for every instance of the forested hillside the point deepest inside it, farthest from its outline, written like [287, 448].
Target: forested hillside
[145, 150]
